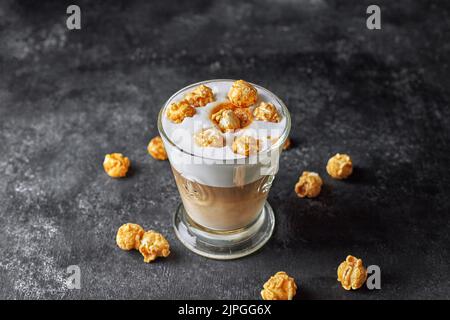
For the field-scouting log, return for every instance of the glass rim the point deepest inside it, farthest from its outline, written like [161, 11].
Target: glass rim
[274, 146]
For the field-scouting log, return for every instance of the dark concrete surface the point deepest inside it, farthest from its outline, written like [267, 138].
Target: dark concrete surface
[69, 97]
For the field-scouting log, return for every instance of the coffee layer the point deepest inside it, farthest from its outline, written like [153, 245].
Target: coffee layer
[223, 209]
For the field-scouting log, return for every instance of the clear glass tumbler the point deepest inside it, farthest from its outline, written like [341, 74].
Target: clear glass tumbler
[229, 220]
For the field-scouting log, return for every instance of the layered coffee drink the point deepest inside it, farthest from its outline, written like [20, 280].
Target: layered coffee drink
[223, 139]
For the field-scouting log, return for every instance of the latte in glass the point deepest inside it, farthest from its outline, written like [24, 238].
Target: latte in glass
[223, 139]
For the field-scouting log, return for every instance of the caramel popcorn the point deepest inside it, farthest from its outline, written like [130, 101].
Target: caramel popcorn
[220, 109]
[116, 165]
[245, 145]
[153, 245]
[209, 138]
[227, 120]
[129, 236]
[340, 166]
[244, 115]
[177, 111]
[279, 287]
[156, 149]
[309, 185]
[351, 273]
[287, 144]
[242, 94]
[200, 96]
[266, 112]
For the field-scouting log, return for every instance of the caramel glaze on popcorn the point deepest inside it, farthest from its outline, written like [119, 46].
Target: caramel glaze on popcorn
[228, 117]
[209, 137]
[228, 121]
[340, 166]
[116, 165]
[246, 145]
[351, 273]
[150, 244]
[279, 287]
[244, 115]
[154, 245]
[178, 111]
[287, 144]
[129, 236]
[200, 96]
[156, 149]
[266, 112]
[242, 94]
[308, 185]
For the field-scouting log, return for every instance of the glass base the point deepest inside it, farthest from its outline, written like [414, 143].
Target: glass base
[224, 245]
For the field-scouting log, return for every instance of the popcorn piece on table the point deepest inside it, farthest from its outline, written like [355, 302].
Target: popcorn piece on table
[116, 165]
[242, 94]
[156, 149]
[266, 112]
[279, 287]
[351, 273]
[309, 185]
[153, 245]
[129, 236]
[340, 166]
[200, 96]
[245, 145]
[178, 111]
[209, 138]
[287, 144]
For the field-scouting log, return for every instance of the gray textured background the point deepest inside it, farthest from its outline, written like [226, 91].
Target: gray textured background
[69, 97]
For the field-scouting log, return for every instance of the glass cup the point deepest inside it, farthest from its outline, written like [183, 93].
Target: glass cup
[229, 220]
